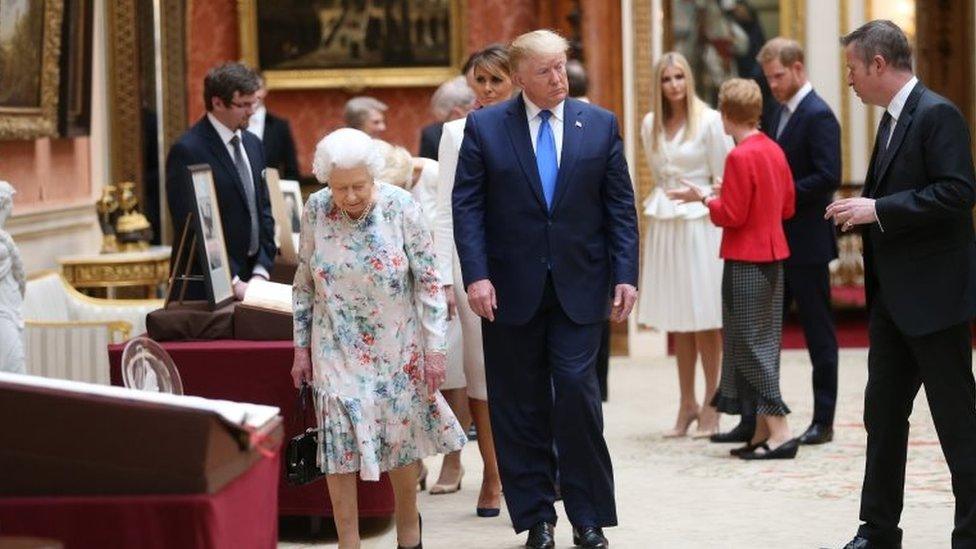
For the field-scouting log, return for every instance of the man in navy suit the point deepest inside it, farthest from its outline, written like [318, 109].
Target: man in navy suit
[807, 130]
[920, 275]
[546, 231]
[237, 160]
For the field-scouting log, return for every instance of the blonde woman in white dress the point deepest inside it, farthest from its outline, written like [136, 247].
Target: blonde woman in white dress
[681, 278]
[489, 75]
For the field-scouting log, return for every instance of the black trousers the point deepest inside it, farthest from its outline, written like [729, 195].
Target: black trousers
[543, 390]
[898, 365]
[809, 287]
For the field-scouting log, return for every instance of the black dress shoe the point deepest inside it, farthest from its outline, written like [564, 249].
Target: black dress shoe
[787, 450]
[817, 433]
[541, 537]
[590, 537]
[740, 433]
[864, 543]
[747, 448]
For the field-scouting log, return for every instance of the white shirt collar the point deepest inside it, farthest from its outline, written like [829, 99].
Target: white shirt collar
[223, 131]
[794, 102]
[532, 110]
[898, 101]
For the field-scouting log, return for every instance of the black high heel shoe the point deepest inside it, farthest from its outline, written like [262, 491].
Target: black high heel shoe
[420, 526]
[787, 450]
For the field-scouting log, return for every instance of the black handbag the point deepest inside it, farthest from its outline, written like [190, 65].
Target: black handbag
[300, 465]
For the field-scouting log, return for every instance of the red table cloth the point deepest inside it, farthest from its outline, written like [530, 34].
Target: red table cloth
[243, 514]
[259, 372]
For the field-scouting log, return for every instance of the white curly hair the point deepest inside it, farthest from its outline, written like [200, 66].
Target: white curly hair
[346, 148]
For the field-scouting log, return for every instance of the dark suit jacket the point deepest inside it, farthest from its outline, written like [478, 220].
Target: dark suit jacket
[811, 141]
[201, 144]
[924, 262]
[279, 147]
[505, 233]
[430, 140]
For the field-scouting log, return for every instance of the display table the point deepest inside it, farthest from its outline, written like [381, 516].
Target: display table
[148, 269]
[259, 372]
[242, 514]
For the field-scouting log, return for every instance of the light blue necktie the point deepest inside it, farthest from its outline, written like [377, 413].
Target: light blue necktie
[545, 158]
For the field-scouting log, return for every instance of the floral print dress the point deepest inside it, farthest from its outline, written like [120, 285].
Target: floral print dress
[356, 295]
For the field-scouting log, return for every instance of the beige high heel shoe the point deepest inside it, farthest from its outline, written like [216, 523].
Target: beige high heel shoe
[708, 422]
[439, 489]
[682, 426]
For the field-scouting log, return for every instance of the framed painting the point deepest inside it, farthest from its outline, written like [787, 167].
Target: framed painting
[74, 102]
[30, 42]
[210, 237]
[352, 44]
[720, 38]
[283, 211]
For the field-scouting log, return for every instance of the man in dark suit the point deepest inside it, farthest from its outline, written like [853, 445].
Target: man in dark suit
[920, 277]
[546, 231]
[452, 100]
[237, 160]
[809, 134]
[275, 135]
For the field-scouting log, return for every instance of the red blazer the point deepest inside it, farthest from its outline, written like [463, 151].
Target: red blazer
[757, 195]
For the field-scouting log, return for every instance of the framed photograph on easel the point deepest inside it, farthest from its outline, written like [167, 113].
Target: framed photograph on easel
[212, 254]
[282, 206]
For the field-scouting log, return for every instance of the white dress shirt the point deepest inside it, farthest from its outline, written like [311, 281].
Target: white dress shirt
[555, 122]
[898, 104]
[226, 135]
[255, 124]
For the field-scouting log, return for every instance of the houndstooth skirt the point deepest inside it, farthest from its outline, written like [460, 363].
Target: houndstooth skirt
[752, 314]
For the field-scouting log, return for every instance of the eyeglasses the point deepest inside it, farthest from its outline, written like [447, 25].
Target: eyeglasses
[251, 105]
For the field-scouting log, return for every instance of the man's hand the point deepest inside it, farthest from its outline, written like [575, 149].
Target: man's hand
[240, 288]
[848, 212]
[451, 301]
[481, 298]
[624, 297]
[435, 371]
[301, 369]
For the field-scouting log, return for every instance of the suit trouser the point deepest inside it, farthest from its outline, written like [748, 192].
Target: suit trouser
[898, 365]
[809, 287]
[542, 389]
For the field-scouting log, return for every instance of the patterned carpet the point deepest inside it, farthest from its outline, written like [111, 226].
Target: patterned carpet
[685, 493]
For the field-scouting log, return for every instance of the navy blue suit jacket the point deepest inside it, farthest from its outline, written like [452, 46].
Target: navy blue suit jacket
[505, 233]
[811, 141]
[201, 144]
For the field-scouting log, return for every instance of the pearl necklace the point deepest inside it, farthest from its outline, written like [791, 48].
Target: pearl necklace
[360, 218]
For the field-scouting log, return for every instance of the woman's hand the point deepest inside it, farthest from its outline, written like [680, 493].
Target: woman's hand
[451, 301]
[301, 369]
[691, 193]
[435, 371]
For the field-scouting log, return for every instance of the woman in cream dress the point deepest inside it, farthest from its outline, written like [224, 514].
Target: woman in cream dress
[489, 75]
[681, 278]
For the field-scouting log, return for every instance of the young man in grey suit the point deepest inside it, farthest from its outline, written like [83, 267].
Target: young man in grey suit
[920, 276]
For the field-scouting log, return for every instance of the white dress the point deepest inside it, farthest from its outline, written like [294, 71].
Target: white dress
[448, 263]
[681, 278]
[425, 193]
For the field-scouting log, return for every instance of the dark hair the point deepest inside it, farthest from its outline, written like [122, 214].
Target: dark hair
[223, 80]
[494, 59]
[576, 75]
[884, 38]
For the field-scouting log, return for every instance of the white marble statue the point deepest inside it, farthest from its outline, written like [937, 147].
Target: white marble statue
[12, 282]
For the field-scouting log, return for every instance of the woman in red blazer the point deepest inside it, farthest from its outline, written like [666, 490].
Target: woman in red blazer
[757, 194]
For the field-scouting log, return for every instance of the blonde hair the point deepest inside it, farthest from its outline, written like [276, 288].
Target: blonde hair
[397, 164]
[740, 100]
[787, 51]
[537, 42]
[660, 106]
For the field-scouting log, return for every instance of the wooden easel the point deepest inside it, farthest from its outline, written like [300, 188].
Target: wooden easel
[187, 260]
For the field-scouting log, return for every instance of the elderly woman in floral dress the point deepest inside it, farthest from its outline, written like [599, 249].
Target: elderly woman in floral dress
[365, 261]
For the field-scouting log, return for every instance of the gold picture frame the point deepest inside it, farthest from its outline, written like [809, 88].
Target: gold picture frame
[20, 119]
[356, 78]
